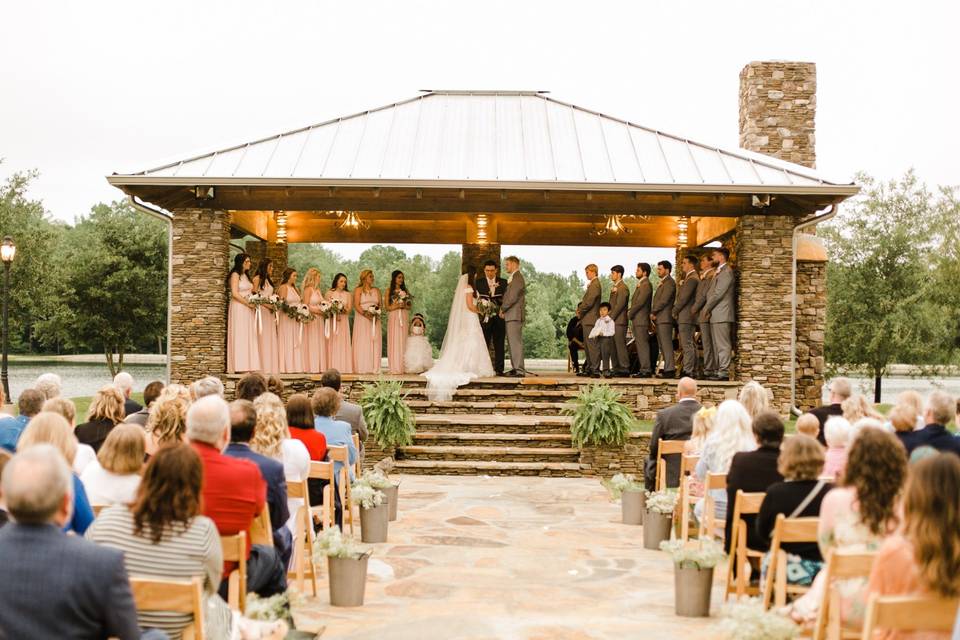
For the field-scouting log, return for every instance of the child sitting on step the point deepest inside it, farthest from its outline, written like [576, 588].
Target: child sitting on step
[418, 356]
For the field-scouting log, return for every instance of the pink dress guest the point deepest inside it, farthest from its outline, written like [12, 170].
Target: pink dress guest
[835, 460]
[267, 330]
[291, 358]
[314, 342]
[367, 336]
[339, 349]
[243, 348]
[397, 327]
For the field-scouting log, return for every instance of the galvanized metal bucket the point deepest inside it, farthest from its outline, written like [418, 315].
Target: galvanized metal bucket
[656, 529]
[374, 522]
[633, 503]
[348, 580]
[392, 494]
[692, 589]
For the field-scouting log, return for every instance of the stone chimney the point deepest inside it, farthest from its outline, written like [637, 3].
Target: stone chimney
[778, 103]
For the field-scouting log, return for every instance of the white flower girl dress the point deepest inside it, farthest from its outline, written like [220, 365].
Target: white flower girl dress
[418, 356]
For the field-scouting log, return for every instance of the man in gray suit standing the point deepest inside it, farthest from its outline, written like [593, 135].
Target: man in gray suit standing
[619, 297]
[588, 311]
[703, 290]
[683, 312]
[661, 312]
[513, 311]
[720, 310]
[639, 315]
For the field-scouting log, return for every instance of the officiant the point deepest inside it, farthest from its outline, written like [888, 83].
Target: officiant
[491, 287]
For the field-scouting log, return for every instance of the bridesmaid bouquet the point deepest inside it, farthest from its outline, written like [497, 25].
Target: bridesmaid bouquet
[401, 296]
[299, 312]
[259, 300]
[373, 309]
[487, 308]
[336, 308]
[326, 309]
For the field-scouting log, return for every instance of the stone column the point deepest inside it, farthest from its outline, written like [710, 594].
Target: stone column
[198, 299]
[778, 103]
[476, 254]
[278, 253]
[811, 319]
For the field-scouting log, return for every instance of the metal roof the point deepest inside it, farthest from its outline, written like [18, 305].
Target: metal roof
[496, 139]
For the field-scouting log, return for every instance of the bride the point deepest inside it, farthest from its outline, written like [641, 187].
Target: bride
[463, 356]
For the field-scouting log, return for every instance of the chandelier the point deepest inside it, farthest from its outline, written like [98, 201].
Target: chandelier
[281, 218]
[351, 221]
[683, 225]
[614, 224]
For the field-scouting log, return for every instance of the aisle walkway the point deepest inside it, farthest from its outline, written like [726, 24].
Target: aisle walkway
[530, 558]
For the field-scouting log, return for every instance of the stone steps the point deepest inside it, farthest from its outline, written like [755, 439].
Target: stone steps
[488, 453]
[488, 468]
[492, 424]
[529, 440]
[509, 407]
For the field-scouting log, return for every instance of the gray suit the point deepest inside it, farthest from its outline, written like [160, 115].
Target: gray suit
[60, 586]
[721, 305]
[589, 311]
[514, 310]
[709, 353]
[639, 315]
[686, 320]
[619, 297]
[662, 310]
[352, 414]
[672, 423]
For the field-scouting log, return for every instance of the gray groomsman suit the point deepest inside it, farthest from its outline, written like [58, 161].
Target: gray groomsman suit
[686, 321]
[639, 314]
[619, 296]
[589, 311]
[709, 353]
[721, 306]
[662, 310]
[514, 308]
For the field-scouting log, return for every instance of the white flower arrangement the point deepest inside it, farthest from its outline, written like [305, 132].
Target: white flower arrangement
[662, 501]
[376, 479]
[372, 309]
[705, 554]
[336, 307]
[332, 544]
[749, 621]
[367, 496]
[620, 483]
[487, 308]
[325, 309]
[276, 607]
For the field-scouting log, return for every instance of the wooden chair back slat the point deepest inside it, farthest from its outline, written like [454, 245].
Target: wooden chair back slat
[909, 613]
[261, 529]
[342, 455]
[235, 550]
[665, 448]
[180, 596]
[785, 530]
[321, 470]
[711, 525]
[738, 553]
[839, 565]
[358, 467]
[303, 535]
[687, 465]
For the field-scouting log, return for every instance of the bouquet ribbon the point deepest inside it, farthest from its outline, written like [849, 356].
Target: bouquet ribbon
[259, 321]
[326, 327]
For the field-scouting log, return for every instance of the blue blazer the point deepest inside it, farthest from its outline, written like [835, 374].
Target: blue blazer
[273, 475]
[338, 434]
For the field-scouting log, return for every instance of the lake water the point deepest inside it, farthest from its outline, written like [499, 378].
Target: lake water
[79, 379]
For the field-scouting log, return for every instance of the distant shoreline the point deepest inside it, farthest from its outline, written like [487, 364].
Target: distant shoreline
[93, 358]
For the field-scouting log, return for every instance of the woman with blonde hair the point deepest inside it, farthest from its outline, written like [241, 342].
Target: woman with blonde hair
[113, 478]
[314, 348]
[367, 339]
[856, 407]
[754, 398]
[168, 418]
[51, 428]
[732, 433]
[912, 401]
[702, 426]
[66, 408]
[272, 438]
[106, 411]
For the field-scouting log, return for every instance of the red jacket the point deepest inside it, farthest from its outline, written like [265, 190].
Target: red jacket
[313, 440]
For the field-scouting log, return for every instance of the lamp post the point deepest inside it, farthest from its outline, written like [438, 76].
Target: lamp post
[7, 251]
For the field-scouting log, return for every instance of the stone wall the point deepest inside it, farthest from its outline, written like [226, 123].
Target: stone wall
[608, 461]
[278, 253]
[198, 303]
[476, 254]
[778, 104]
[811, 321]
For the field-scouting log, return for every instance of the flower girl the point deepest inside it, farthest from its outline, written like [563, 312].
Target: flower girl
[418, 356]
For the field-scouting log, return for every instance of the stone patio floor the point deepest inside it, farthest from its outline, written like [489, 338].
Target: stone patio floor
[493, 557]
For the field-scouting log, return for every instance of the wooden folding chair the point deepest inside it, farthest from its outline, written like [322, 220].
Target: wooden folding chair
[687, 465]
[666, 448]
[342, 455]
[179, 596]
[909, 613]
[358, 467]
[235, 550]
[322, 471]
[738, 565]
[711, 526]
[840, 565]
[785, 530]
[261, 530]
[303, 534]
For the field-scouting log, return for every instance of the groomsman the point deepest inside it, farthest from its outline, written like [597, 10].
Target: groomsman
[661, 312]
[639, 315]
[514, 311]
[492, 287]
[619, 297]
[721, 311]
[588, 311]
[703, 290]
[683, 312]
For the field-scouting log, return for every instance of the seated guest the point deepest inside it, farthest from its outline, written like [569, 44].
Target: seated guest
[55, 585]
[234, 493]
[840, 389]
[913, 401]
[672, 423]
[857, 407]
[732, 433]
[275, 385]
[208, 386]
[114, 476]
[754, 471]
[349, 412]
[903, 421]
[271, 438]
[66, 408]
[251, 386]
[325, 405]
[754, 398]
[106, 411]
[243, 421]
[150, 393]
[4, 459]
[938, 414]
[29, 404]
[49, 385]
[123, 381]
[838, 433]
[808, 425]
[51, 428]
[163, 535]
[167, 422]
[300, 419]
[923, 558]
[702, 426]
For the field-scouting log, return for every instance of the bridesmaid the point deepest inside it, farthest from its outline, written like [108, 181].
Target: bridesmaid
[243, 349]
[339, 349]
[267, 326]
[367, 338]
[314, 343]
[399, 312]
[291, 360]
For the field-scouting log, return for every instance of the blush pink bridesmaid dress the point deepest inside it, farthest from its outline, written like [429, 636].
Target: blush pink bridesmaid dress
[397, 325]
[367, 336]
[291, 358]
[267, 331]
[314, 342]
[339, 348]
[243, 348]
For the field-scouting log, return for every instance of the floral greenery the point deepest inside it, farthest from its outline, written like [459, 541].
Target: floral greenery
[599, 418]
[662, 501]
[366, 496]
[332, 544]
[749, 621]
[276, 607]
[387, 414]
[620, 483]
[375, 478]
[703, 555]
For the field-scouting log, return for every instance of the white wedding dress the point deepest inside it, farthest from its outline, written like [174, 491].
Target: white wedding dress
[463, 356]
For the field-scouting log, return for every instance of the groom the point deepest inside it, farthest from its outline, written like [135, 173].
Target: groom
[493, 287]
[513, 311]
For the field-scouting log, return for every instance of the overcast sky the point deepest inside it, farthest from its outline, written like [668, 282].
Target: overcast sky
[89, 88]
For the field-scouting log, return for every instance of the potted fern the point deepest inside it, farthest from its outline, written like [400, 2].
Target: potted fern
[379, 481]
[346, 567]
[374, 512]
[693, 565]
[658, 517]
[387, 414]
[632, 497]
[599, 418]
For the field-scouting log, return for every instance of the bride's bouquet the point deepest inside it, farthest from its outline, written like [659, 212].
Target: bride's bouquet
[402, 297]
[487, 308]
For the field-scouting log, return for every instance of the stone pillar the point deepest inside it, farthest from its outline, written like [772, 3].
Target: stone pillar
[278, 253]
[811, 319]
[778, 103]
[198, 300]
[476, 254]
